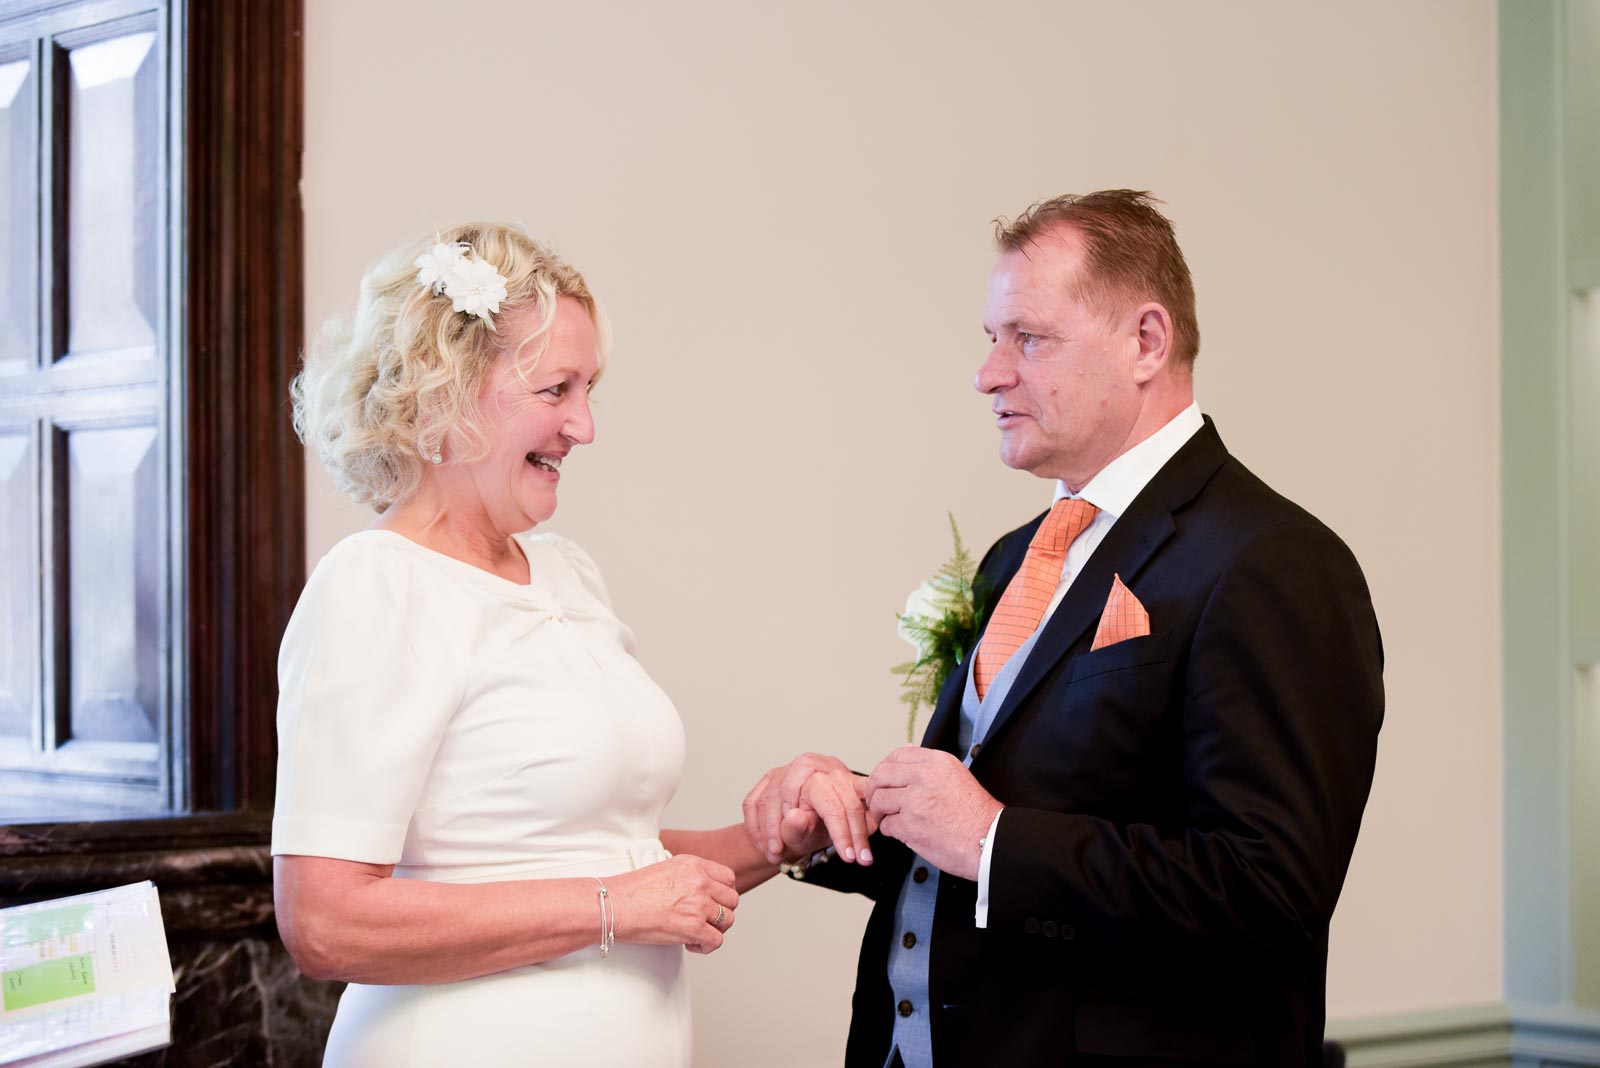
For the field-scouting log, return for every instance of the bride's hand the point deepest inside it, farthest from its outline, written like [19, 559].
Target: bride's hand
[822, 805]
[804, 805]
[687, 901]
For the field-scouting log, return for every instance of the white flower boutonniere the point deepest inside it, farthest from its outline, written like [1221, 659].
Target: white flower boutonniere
[941, 622]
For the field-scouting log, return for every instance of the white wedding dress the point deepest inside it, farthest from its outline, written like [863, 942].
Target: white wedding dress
[468, 729]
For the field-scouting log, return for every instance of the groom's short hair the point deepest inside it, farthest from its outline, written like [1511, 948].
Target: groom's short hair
[1131, 255]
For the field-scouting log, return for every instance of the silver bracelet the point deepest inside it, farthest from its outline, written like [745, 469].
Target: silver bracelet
[608, 921]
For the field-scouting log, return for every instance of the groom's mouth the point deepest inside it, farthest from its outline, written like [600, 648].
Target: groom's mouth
[545, 461]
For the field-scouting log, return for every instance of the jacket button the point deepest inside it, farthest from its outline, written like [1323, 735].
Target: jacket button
[1049, 928]
[905, 1008]
[1067, 933]
[974, 750]
[920, 875]
[909, 940]
[1030, 925]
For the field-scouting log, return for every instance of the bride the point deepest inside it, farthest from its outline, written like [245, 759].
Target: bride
[472, 764]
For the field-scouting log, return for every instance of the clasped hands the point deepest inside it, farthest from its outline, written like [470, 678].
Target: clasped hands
[925, 798]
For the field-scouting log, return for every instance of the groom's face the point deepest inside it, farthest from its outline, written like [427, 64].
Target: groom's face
[1060, 371]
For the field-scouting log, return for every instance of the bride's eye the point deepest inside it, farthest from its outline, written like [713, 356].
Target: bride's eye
[555, 392]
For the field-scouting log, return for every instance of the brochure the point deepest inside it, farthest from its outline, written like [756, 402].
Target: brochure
[85, 979]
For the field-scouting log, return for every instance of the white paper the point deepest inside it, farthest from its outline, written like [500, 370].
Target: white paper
[84, 979]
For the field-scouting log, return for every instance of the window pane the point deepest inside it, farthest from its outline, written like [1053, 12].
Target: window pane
[113, 574]
[113, 111]
[18, 215]
[19, 590]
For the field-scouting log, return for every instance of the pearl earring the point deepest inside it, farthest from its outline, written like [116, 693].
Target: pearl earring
[437, 458]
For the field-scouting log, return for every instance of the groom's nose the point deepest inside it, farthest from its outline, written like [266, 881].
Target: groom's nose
[995, 373]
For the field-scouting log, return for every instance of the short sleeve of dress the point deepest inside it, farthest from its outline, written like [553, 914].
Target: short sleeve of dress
[364, 697]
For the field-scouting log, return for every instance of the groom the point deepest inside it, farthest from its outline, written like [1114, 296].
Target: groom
[1132, 813]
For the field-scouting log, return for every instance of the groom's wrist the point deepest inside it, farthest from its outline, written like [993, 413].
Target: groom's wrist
[796, 869]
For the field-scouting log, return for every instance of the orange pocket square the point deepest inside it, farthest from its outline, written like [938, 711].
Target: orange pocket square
[1123, 618]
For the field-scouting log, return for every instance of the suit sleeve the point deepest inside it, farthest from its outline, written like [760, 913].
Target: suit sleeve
[882, 877]
[1282, 697]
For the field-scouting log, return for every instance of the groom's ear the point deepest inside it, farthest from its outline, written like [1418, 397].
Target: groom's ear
[1151, 332]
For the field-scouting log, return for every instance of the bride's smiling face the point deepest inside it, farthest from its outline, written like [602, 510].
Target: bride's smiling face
[533, 419]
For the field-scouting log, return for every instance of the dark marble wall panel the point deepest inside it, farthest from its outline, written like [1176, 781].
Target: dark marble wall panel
[240, 1000]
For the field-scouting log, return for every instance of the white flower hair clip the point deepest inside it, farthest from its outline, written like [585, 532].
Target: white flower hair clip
[471, 283]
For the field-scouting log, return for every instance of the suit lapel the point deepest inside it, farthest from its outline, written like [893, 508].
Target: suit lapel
[1132, 540]
[941, 732]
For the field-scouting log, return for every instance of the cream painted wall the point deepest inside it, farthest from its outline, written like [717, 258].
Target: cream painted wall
[786, 210]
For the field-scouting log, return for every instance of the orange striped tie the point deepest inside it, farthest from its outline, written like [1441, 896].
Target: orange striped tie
[1022, 605]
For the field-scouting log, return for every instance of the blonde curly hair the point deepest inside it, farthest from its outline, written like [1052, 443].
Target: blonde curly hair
[378, 395]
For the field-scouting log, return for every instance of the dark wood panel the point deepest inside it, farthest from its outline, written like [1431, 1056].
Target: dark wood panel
[109, 93]
[167, 835]
[246, 509]
[114, 500]
[19, 586]
[19, 206]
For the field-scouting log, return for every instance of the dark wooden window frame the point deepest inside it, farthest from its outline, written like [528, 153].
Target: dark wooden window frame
[243, 482]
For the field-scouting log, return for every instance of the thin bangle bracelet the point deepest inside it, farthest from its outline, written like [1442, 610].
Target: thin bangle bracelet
[608, 921]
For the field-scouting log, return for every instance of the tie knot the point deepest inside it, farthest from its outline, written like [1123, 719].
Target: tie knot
[1065, 522]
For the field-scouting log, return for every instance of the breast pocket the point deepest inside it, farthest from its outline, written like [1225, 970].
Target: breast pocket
[1130, 653]
[1104, 721]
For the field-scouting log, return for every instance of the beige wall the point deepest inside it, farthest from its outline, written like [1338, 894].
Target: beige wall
[786, 209]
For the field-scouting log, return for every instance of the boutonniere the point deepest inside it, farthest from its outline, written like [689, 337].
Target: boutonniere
[941, 621]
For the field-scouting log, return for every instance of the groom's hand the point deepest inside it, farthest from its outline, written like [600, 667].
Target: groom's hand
[930, 801]
[806, 804]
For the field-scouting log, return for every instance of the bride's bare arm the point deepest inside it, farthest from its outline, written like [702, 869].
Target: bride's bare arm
[729, 846]
[342, 919]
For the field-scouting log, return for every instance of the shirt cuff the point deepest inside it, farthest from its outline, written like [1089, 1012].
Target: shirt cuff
[981, 920]
[798, 869]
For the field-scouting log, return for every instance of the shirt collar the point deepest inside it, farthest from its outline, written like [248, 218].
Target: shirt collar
[1121, 480]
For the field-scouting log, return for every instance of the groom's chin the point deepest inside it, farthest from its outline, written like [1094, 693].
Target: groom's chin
[1014, 454]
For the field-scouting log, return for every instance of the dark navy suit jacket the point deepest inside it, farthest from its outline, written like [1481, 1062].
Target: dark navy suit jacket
[1180, 807]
